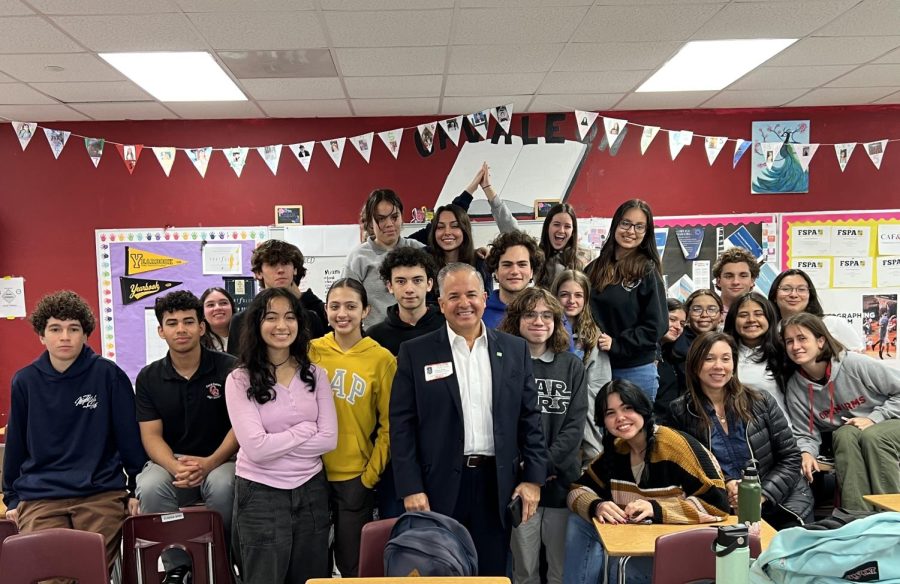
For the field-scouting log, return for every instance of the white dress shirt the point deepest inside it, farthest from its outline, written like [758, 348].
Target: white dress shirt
[473, 373]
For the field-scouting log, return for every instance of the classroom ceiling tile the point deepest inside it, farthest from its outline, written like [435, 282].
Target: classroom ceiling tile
[892, 57]
[887, 74]
[353, 5]
[14, 8]
[643, 23]
[6, 78]
[93, 91]
[54, 7]
[213, 110]
[753, 98]
[33, 34]
[19, 93]
[41, 113]
[834, 51]
[790, 77]
[399, 28]
[526, 58]
[468, 105]
[260, 30]
[43, 67]
[372, 61]
[615, 56]
[493, 84]
[307, 108]
[132, 32]
[867, 18]
[892, 98]
[131, 110]
[400, 86]
[514, 4]
[417, 106]
[286, 89]
[243, 5]
[598, 82]
[666, 100]
[777, 19]
[285, 64]
[842, 96]
[544, 24]
[563, 103]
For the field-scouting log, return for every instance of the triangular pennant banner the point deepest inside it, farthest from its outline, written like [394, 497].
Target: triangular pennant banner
[843, 153]
[875, 150]
[335, 149]
[613, 128]
[130, 154]
[452, 128]
[57, 140]
[479, 121]
[237, 158]
[200, 158]
[363, 144]
[95, 149]
[740, 147]
[690, 239]
[770, 150]
[714, 145]
[24, 132]
[804, 153]
[678, 139]
[391, 139]
[166, 157]
[503, 115]
[584, 121]
[303, 151]
[426, 133]
[271, 154]
[647, 137]
[134, 289]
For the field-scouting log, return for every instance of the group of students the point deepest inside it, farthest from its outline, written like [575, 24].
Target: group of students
[643, 418]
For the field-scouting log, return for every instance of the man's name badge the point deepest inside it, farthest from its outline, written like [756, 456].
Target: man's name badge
[438, 371]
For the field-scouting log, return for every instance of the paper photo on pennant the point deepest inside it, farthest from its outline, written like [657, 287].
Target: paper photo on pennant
[503, 115]
[771, 152]
[363, 144]
[94, 148]
[678, 139]
[479, 121]
[843, 153]
[426, 134]
[130, 154]
[271, 154]
[783, 173]
[584, 121]
[714, 145]
[24, 132]
[200, 158]
[647, 137]
[303, 151]
[613, 128]
[875, 150]
[740, 147]
[166, 157]
[57, 140]
[452, 128]
[237, 158]
[391, 139]
[804, 154]
[335, 149]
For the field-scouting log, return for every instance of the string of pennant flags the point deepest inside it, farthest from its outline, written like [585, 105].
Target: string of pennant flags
[613, 129]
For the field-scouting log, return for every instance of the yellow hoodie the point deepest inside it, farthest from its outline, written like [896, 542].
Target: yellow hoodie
[361, 382]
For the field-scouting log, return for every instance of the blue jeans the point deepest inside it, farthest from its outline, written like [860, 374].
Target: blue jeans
[585, 556]
[644, 376]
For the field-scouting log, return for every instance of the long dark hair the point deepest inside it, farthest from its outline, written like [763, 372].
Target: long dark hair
[466, 249]
[606, 270]
[254, 355]
[211, 339]
[357, 287]
[631, 395]
[568, 255]
[738, 398]
[813, 306]
[771, 350]
[832, 349]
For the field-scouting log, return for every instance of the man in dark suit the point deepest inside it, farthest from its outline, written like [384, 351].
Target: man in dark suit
[466, 433]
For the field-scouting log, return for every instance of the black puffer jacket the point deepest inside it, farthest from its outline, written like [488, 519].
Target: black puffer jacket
[771, 443]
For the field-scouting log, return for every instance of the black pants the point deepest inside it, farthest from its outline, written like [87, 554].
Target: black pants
[352, 505]
[478, 510]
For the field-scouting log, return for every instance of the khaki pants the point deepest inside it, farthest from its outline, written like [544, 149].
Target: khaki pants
[866, 462]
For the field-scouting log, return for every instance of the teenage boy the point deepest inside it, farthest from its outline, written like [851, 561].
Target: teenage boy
[184, 423]
[279, 264]
[735, 273]
[514, 259]
[73, 448]
[409, 275]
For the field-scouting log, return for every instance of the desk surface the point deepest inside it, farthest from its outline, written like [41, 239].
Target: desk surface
[887, 502]
[640, 540]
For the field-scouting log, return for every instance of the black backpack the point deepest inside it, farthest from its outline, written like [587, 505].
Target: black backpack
[425, 543]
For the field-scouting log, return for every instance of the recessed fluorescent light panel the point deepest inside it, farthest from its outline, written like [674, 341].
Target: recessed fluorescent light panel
[190, 76]
[713, 65]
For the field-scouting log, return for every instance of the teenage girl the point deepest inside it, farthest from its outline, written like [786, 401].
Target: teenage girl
[559, 242]
[218, 308]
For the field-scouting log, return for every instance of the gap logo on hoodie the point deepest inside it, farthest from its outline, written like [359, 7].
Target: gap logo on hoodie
[554, 396]
[339, 386]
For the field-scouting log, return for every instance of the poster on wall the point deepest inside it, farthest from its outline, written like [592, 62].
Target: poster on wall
[880, 325]
[136, 266]
[778, 170]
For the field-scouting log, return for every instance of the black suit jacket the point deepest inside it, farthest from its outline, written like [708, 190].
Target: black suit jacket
[427, 421]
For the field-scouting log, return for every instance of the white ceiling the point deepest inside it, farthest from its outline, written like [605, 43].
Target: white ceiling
[436, 57]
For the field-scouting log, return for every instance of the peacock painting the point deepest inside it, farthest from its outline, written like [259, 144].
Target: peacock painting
[786, 175]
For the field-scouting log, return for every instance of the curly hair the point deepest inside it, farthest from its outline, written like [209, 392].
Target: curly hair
[504, 241]
[527, 300]
[584, 328]
[62, 305]
[406, 257]
[175, 301]
[568, 255]
[274, 252]
[466, 248]
[607, 269]
[735, 255]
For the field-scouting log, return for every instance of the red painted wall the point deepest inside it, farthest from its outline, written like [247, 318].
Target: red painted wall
[50, 208]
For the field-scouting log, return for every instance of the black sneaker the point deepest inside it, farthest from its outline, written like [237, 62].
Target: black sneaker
[179, 575]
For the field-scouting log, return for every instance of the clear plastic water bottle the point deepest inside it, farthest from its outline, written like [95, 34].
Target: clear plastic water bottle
[732, 549]
[750, 498]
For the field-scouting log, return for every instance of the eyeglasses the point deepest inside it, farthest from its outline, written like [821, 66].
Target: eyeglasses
[801, 290]
[710, 310]
[626, 225]
[545, 316]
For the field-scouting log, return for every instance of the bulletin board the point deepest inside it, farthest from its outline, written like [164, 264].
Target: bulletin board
[134, 266]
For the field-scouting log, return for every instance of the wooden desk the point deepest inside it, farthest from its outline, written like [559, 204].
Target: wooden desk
[887, 502]
[626, 541]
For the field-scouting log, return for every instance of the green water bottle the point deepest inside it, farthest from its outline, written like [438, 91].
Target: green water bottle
[750, 496]
[732, 549]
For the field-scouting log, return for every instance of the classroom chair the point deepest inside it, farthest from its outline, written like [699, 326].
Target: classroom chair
[372, 539]
[687, 556]
[54, 553]
[414, 580]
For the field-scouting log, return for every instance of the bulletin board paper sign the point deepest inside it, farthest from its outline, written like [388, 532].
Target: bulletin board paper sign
[12, 298]
[818, 270]
[682, 288]
[662, 235]
[222, 259]
[888, 239]
[809, 240]
[851, 241]
[323, 240]
[742, 238]
[155, 348]
[767, 274]
[853, 272]
[790, 222]
[690, 239]
[700, 273]
[887, 270]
